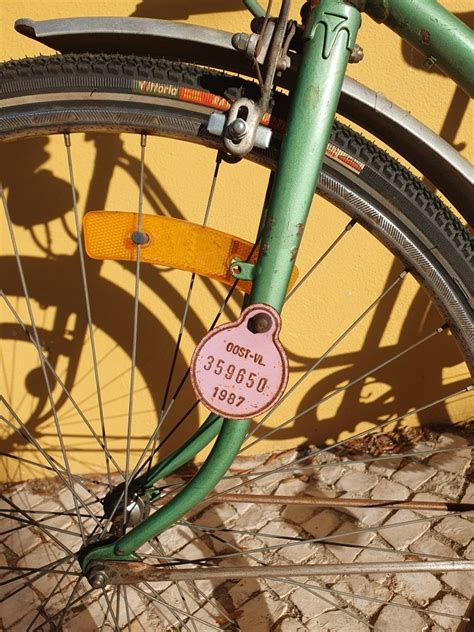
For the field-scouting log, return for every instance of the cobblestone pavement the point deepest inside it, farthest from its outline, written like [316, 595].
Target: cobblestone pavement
[385, 603]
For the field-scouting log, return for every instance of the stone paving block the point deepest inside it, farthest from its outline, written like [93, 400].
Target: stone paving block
[354, 536]
[430, 545]
[450, 440]
[384, 490]
[292, 551]
[469, 552]
[208, 616]
[180, 598]
[449, 604]
[462, 581]
[311, 605]
[385, 467]
[446, 484]
[393, 619]
[469, 494]
[261, 612]
[382, 554]
[22, 540]
[450, 462]
[291, 487]
[254, 519]
[25, 498]
[297, 515]
[243, 590]
[419, 587]
[335, 621]
[322, 524]
[217, 515]
[457, 529]
[414, 475]
[89, 618]
[176, 538]
[281, 588]
[390, 490]
[400, 537]
[330, 474]
[17, 607]
[358, 483]
[361, 586]
[226, 483]
[24, 623]
[290, 625]
[366, 516]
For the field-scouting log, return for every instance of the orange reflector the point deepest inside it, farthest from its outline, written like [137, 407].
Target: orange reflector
[174, 243]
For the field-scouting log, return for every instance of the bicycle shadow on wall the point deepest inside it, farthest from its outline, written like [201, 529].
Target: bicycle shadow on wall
[65, 338]
[460, 100]
[62, 324]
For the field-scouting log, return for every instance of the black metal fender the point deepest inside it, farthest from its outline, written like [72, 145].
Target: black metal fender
[435, 158]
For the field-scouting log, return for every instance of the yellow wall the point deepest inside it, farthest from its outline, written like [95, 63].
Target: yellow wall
[35, 172]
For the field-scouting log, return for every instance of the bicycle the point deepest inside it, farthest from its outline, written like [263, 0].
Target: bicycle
[92, 88]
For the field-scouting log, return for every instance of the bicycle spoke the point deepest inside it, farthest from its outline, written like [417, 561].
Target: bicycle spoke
[158, 547]
[318, 362]
[184, 316]
[190, 289]
[35, 523]
[39, 572]
[80, 248]
[319, 451]
[80, 412]
[127, 608]
[343, 389]
[67, 607]
[110, 608]
[43, 366]
[25, 523]
[293, 582]
[395, 604]
[58, 469]
[143, 139]
[319, 261]
[52, 594]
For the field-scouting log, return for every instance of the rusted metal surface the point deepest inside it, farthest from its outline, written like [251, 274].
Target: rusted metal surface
[310, 501]
[129, 573]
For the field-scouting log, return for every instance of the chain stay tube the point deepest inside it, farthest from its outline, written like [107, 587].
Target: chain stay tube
[329, 39]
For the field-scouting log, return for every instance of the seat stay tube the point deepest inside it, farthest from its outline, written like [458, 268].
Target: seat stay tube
[330, 36]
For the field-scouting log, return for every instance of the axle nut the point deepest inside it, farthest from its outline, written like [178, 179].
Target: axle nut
[98, 579]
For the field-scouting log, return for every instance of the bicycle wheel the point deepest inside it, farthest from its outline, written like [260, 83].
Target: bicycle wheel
[76, 422]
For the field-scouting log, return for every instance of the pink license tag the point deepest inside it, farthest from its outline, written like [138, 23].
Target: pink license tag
[240, 369]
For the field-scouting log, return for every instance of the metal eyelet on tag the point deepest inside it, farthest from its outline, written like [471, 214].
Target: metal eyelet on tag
[240, 369]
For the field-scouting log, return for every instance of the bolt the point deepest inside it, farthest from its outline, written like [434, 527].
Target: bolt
[139, 238]
[237, 129]
[260, 323]
[240, 41]
[97, 579]
[357, 54]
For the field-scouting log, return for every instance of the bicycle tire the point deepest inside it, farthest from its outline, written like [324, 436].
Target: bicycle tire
[73, 93]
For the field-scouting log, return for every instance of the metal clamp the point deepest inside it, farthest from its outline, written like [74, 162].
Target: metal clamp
[217, 126]
[269, 48]
[242, 270]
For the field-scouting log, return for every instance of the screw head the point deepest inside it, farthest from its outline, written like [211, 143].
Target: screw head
[139, 238]
[260, 323]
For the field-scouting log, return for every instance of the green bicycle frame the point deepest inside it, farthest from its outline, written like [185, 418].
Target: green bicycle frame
[430, 28]
[329, 38]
